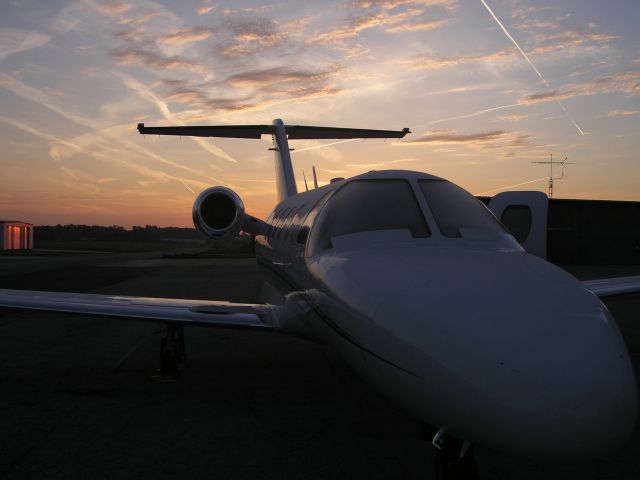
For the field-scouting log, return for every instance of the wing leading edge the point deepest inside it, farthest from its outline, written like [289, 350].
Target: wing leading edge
[608, 287]
[188, 312]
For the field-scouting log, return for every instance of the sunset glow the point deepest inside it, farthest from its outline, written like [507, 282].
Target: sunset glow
[487, 87]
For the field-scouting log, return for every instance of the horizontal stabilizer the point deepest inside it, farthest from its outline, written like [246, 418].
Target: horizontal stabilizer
[303, 132]
[228, 131]
[294, 132]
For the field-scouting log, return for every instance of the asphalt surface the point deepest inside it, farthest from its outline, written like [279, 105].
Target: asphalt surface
[77, 398]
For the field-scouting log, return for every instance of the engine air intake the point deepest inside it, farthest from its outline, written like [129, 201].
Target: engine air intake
[218, 212]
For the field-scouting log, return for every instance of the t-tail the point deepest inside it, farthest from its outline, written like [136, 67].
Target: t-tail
[285, 179]
[281, 133]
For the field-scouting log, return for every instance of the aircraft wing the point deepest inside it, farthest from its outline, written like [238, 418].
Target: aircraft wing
[607, 287]
[188, 312]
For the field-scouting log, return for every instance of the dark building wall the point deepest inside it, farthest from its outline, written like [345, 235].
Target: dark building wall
[592, 231]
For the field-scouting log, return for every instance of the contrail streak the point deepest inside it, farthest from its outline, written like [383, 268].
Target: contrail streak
[515, 43]
[111, 156]
[514, 185]
[325, 145]
[144, 92]
[186, 186]
[475, 114]
[39, 97]
[526, 57]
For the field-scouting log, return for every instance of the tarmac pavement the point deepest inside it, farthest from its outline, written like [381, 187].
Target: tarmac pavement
[77, 399]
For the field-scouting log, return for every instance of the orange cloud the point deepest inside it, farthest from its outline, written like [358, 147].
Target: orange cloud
[570, 39]
[234, 11]
[391, 4]
[380, 14]
[545, 97]
[512, 118]
[450, 136]
[418, 26]
[429, 61]
[186, 35]
[628, 82]
[489, 139]
[250, 90]
[204, 10]
[622, 113]
[555, 35]
[279, 75]
[157, 61]
[251, 36]
[141, 19]
[113, 8]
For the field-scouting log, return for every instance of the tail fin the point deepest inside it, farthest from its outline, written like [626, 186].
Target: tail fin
[285, 180]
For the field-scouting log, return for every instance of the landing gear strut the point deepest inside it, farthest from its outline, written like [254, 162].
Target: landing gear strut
[454, 458]
[171, 352]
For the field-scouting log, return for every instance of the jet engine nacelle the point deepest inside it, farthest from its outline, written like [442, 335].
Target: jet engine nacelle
[218, 212]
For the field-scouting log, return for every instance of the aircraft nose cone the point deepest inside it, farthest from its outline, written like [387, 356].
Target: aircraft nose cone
[584, 403]
[517, 356]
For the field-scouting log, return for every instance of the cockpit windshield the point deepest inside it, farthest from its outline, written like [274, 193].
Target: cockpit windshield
[454, 208]
[367, 205]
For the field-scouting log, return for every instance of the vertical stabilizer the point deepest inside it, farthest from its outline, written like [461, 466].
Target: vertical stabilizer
[285, 180]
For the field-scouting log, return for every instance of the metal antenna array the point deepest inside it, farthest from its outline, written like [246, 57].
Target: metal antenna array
[563, 163]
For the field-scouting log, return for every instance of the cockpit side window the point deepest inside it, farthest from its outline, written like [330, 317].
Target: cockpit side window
[454, 208]
[367, 205]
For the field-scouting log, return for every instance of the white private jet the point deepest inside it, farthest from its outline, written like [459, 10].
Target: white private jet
[425, 294]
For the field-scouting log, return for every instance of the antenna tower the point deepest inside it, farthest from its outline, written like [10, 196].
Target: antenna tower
[563, 163]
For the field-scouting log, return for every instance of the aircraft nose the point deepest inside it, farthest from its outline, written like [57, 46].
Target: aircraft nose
[583, 401]
[522, 357]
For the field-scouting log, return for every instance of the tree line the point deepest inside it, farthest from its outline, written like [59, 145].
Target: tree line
[147, 233]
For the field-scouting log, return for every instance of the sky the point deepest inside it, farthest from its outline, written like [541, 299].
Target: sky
[487, 87]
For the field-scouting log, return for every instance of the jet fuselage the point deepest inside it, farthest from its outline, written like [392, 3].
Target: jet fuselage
[430, 299]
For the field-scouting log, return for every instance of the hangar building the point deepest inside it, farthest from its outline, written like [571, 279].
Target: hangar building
[591, 232]
[15, 235]
[576, 232]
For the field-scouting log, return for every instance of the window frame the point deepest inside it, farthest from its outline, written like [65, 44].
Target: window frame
[425, 215]
[434, 218]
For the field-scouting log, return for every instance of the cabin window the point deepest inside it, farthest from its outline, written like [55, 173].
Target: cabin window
[287, 223]
[294, 224]
[368, 205]
[272, 224]
[454, 208]
[303, 233]
[269, 222]
[517, 219]
[279, 222]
